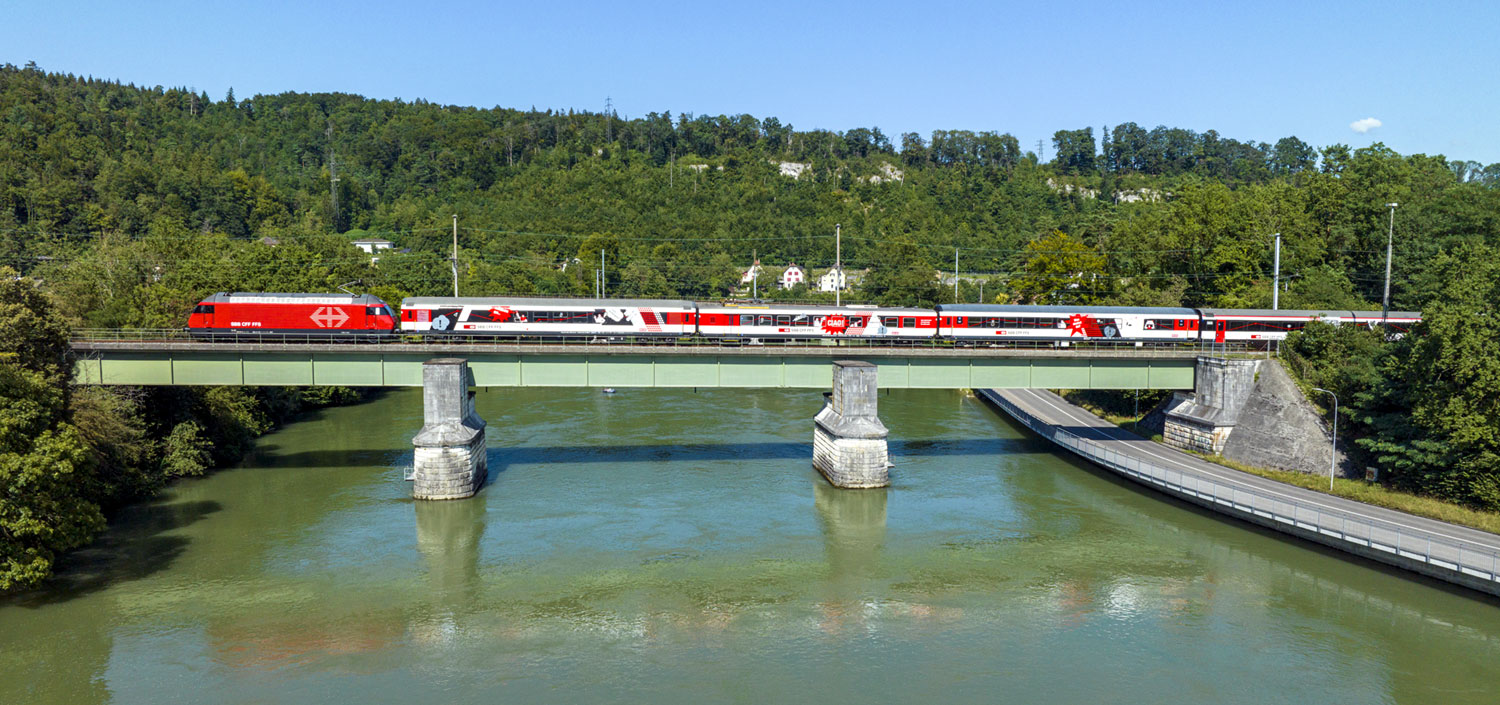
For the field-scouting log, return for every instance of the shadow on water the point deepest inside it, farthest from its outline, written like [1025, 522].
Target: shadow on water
[138, 543]
[649, 453]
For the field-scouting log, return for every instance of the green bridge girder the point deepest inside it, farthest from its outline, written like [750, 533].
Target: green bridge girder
[402, 367]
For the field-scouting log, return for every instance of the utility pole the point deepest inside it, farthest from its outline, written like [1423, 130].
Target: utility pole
[838, 265]
[609, 120]
[955, 275]
[1390, 234]
[601, 273]
[455, 255]
[754, 275]
[333, 176]
[1276, 280]
[981, 291]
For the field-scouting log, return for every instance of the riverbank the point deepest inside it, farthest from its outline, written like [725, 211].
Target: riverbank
[1357, 490]
[1448, 552]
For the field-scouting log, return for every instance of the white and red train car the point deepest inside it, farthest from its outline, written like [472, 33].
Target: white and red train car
[987, 322]
[1223, 325]
[334, 316]
[791, 322]
[528, 317]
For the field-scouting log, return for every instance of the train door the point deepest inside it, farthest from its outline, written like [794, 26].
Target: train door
[1221, 326]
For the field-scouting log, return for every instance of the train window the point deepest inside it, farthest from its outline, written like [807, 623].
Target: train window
[747, 319]
[802, 319]
[783, 320]
[908, 323]
[889, 321]
[203, 308]
[764, 320]
[372, 311]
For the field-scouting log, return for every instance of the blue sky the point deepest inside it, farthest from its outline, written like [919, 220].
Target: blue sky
[1252, 71]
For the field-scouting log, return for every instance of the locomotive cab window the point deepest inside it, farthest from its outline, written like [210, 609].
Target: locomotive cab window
[202, 308]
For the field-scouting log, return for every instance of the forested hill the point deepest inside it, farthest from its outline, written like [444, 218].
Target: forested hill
[166, 193]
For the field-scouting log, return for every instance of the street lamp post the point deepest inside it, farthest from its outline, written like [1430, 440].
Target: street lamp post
[1390, 233]
[1333, 461]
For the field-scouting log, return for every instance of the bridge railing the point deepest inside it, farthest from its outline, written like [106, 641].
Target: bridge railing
[511, 342]
[1449, 554]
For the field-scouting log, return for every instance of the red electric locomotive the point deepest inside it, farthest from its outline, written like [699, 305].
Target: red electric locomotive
[331, 316]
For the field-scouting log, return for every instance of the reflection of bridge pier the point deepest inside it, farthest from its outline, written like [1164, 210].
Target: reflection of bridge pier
[448, 537]
[853, 526]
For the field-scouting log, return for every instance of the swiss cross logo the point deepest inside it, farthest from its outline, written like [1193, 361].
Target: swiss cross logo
[329, 316]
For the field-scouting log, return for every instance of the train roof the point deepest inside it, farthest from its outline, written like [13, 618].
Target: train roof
[813, 308]
[1049, 310]
[527, 301]
[1308, 313]
[271, 297]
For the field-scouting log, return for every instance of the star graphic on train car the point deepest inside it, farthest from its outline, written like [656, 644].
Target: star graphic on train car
[835, 324]
[1077, 325]
[500, 313]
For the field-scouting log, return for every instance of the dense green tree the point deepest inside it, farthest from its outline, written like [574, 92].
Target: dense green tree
[1448, 375]
[1060, 269]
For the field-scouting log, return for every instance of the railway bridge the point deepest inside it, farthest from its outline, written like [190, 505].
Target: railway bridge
[849, 441]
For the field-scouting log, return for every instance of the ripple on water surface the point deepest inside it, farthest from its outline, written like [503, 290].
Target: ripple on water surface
[677, 546]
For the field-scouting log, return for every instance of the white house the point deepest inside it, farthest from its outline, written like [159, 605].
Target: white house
[833, 280]
[792, 276]
[372, 245]
[751, 273]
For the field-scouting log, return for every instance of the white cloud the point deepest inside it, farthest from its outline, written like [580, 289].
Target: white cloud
[1365, 125]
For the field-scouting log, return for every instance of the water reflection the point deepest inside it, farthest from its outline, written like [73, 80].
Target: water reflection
[449, 535]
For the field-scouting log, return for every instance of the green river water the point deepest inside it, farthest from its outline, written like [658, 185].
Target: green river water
[667, 546]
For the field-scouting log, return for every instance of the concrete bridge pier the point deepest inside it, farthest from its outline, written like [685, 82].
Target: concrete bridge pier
[450, 458]
[849, 442]
[1203, 422]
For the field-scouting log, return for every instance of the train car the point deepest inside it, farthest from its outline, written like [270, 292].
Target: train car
[1397, 323]
[547, 318]
[1222, 325]
[995, 322]
[332, 316]
[793, 322]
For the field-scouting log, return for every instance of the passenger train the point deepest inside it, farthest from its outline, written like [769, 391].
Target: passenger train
[365, 317]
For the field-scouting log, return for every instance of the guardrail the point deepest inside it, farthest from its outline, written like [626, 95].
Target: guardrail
[511, 342]
[1379, 540]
